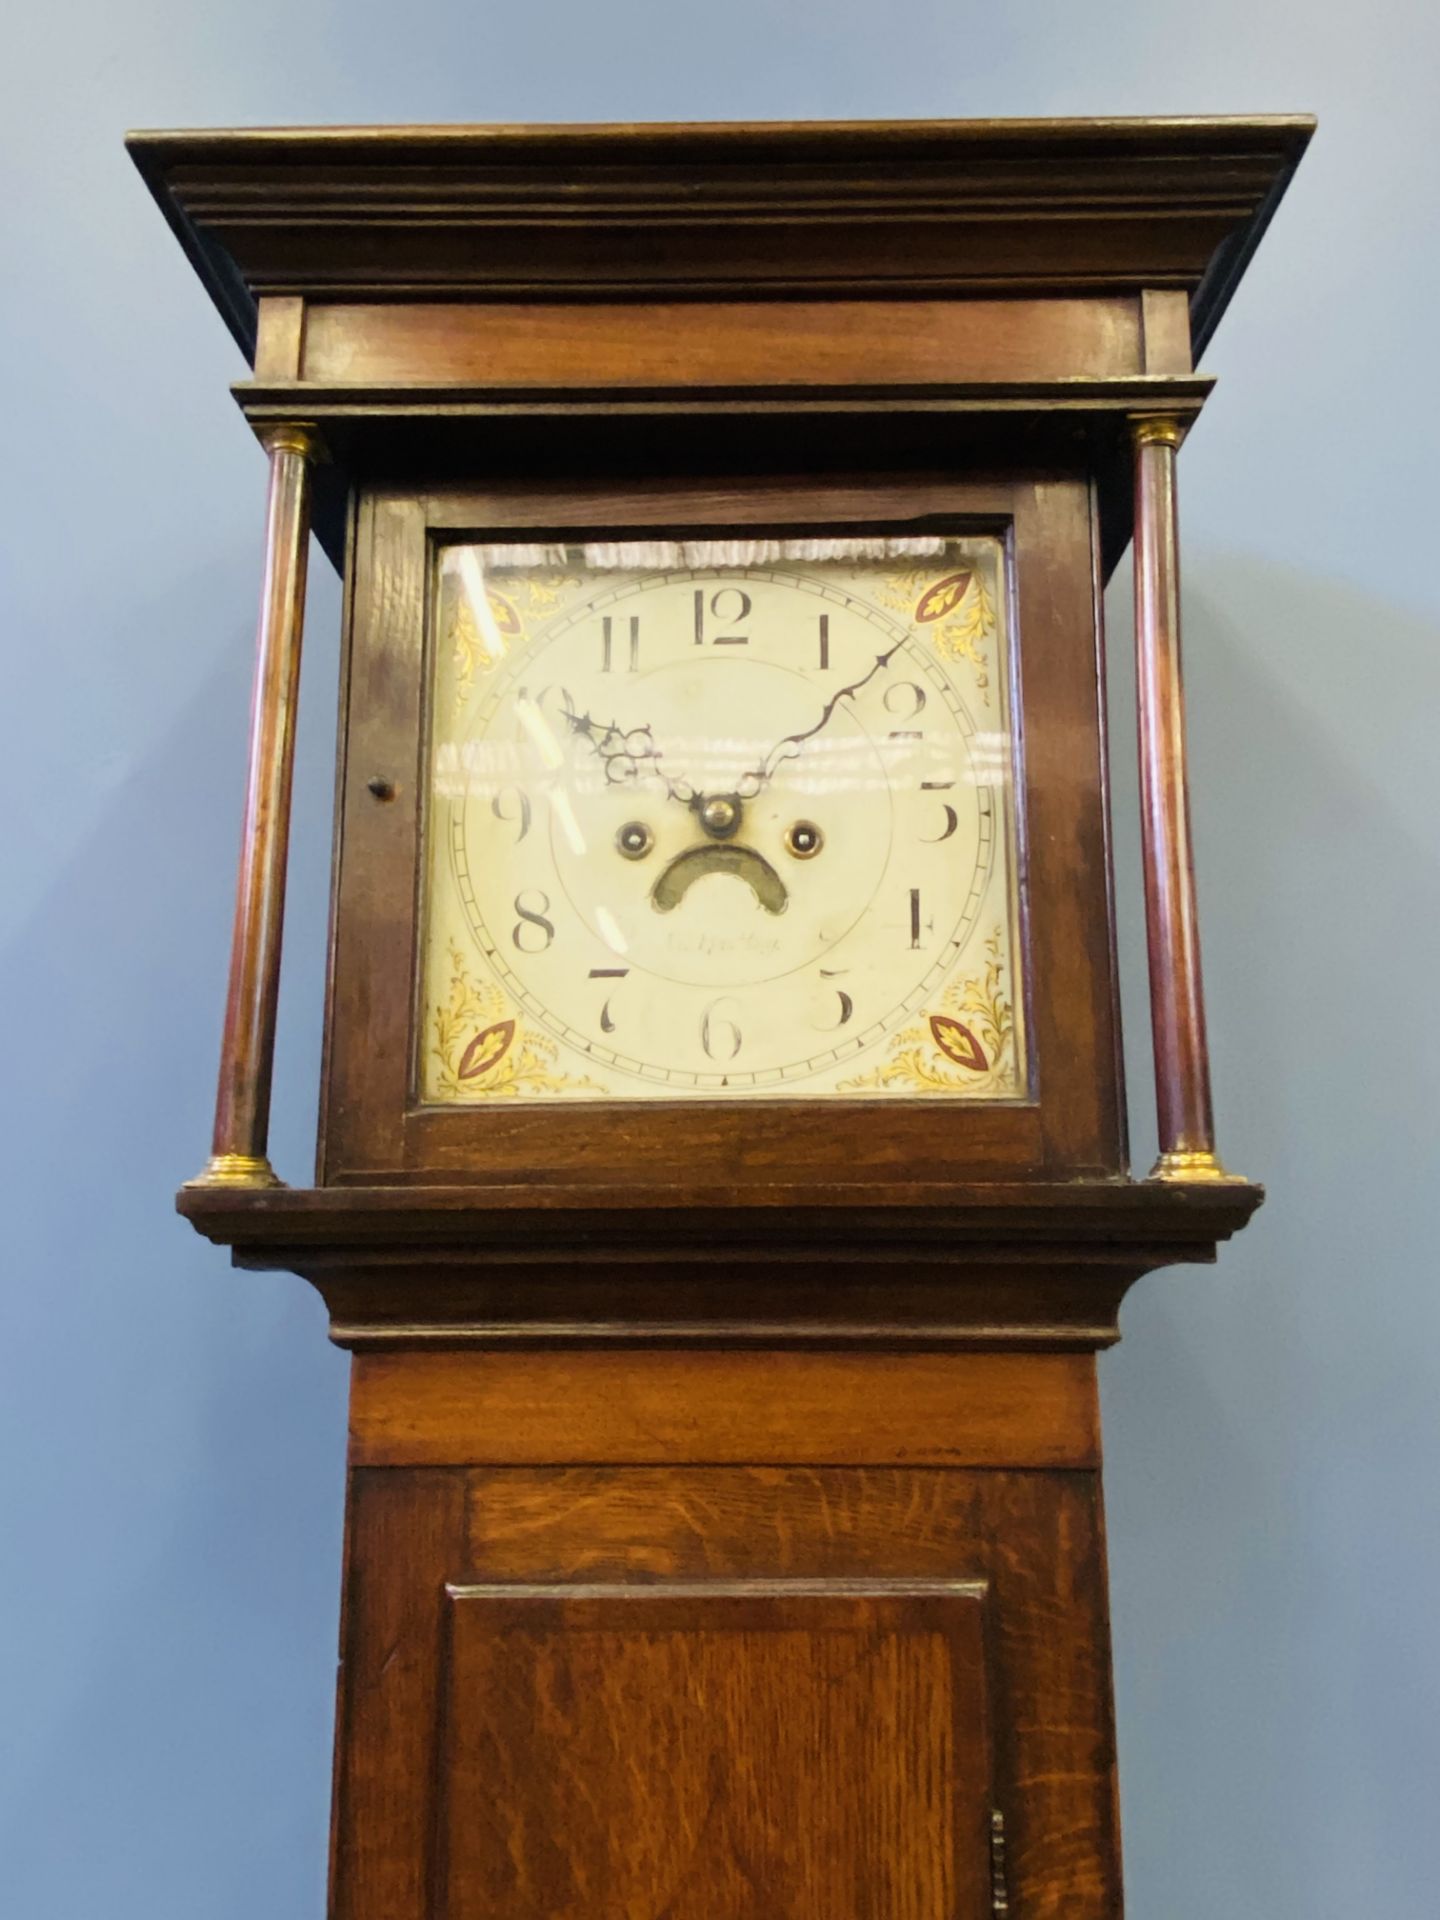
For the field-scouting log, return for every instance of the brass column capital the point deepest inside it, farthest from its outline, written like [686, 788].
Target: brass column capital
[1156, 430]
[291, 436]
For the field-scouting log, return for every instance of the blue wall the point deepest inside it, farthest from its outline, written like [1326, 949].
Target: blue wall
[171, 1434]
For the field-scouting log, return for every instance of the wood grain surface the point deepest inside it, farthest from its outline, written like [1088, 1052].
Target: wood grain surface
[743, 343]
[456, 1794]
[715, 1752]
[541, 1408]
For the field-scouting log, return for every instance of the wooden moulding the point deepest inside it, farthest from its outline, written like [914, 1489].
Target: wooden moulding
[659, 1407]
[425, 434]
[372, 1309]
[1023, 1266]
[1072, 404]
[912, 209]
[408, 244]
[480, 1218]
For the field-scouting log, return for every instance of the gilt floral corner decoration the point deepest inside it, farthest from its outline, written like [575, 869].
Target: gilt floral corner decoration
[966, 1046]
[483, 1048]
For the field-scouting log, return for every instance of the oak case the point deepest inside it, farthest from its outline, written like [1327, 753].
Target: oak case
[725, 1533]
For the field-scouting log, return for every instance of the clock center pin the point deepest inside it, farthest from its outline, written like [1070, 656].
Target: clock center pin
[720, 816]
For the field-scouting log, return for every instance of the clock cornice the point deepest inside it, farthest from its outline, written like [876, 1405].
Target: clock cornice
[914, 208]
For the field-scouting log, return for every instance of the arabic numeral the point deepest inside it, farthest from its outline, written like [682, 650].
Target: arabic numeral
[904, 699]
[841, 1013]
[533, 931]
[512, 804]
[607, 1019]
[719, 1034]
[730, 605]
[952, 818]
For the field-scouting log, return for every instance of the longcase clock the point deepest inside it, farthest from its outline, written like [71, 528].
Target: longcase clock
[722, 1182]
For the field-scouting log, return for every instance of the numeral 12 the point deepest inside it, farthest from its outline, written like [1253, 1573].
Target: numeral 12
[729, 603]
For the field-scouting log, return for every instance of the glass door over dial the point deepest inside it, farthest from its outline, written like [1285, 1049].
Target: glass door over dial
[721, 819]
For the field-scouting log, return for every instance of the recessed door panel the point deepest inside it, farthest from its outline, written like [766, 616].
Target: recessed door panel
[715, 1752]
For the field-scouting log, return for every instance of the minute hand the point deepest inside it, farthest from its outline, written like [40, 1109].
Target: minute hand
[758, 777]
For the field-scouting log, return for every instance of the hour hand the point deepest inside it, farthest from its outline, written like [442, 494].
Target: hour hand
[627, 754]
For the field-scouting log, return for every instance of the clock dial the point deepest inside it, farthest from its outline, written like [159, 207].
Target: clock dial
[720, 819]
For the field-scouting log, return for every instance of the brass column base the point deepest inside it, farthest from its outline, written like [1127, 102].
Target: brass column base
[237, 1170]
[1180, 1164]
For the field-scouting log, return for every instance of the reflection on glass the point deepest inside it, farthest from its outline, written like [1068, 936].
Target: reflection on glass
[721, 819]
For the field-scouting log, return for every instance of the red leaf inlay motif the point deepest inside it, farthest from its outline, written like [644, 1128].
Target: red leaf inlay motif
[486, 1050]
[944, 597]
[957, 1043]
[504, 615]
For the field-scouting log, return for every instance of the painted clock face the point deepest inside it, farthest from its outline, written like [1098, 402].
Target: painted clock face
[720, 819]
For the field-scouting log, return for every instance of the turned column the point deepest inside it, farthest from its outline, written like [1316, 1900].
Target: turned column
[238, 1154]
[1177, 996]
